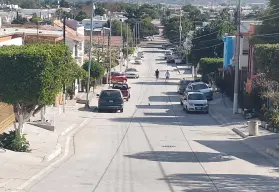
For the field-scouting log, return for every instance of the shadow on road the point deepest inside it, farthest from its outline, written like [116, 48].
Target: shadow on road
[238, 150]
[157, 82]
[164, 98]
[153, 51]
[91, 109]
[224, 182]
[169, 120]
[171, 93]
[179, 156]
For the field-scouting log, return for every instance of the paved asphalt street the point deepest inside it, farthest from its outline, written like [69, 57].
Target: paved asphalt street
[153, 146]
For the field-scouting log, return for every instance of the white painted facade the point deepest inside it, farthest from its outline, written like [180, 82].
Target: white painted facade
[16, 41]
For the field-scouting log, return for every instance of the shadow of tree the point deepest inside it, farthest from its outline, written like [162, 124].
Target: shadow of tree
[157, 83]
[179, 156]
[237, 149]
[224, 182]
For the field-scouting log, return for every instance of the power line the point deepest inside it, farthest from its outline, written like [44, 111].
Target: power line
[270, 18]
[208, 47]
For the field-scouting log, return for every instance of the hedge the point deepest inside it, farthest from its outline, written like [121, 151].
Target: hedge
[209, 65]
[266, 59]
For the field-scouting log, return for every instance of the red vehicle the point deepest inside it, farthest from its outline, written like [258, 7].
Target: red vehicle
[117, 77]
[124, 88]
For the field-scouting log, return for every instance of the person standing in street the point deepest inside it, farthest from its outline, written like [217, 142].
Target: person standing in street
[167, 75]
[157, 74]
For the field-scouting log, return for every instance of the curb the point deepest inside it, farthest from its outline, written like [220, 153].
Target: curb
[272, 152]
[215, 117]
[58, 149]
[240, 133]
[68, 129]
[65, 152]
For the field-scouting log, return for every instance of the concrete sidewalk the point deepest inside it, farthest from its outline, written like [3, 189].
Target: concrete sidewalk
[16, 167]
[221, 110]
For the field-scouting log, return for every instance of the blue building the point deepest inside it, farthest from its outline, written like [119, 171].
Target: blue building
[229, 49]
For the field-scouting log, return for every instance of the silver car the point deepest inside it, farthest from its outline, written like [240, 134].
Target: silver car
[195, 101]
[202, 87]
[132, 73]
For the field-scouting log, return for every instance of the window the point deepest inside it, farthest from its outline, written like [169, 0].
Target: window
[184, 83]
[111, 93]
[120, 86]
[200, 86]
[196, 97]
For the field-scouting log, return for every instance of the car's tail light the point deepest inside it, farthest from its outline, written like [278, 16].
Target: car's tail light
[99, 101]
[122, 100]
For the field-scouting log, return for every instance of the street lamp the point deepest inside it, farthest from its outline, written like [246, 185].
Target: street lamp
[90, 56]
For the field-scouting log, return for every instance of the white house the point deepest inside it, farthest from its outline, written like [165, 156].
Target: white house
[98, 22]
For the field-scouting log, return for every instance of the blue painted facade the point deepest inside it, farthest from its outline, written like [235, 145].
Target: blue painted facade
[229, 49]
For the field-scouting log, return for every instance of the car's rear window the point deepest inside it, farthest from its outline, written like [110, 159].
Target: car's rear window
[110, 93]
[128, 70]
[119, 86]
[196, 97]
[185, 82]
[200, 86]
[117, 74]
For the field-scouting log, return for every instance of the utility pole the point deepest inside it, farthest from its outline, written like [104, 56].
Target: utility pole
[64, 39]
[236, 82]
[136, 36]
[180, 29]
[180, 33]
[109, 48]
[127, 45]
[121, 51]
[138, 33]
[90, 57]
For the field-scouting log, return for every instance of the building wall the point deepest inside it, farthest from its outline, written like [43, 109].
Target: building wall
[15, 41]
[96, 23]
[3, 39]
[229, 50]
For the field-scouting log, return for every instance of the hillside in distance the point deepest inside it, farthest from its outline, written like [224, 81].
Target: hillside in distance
[182, 2]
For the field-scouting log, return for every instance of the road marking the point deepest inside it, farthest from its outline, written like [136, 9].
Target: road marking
[52, 165]
[68, 129]
[5, 183]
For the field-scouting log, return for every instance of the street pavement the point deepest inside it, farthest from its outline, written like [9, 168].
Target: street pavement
[154, 146]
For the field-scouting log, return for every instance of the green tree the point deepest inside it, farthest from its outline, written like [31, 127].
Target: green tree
[64, 4]
[81, 15]
[148, 29]
[100, 11]
[35, 19]
[149, 10]
[171, 29]
[116, 29]
[32, 76]
[19, 20]
[96, 70]
[266, 58]
[207, 43]
[29, 4]
[270, 25]
[189, 8]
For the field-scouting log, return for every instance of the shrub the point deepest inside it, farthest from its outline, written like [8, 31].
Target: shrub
[209, 65]
[15, 142]
[266, 58]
